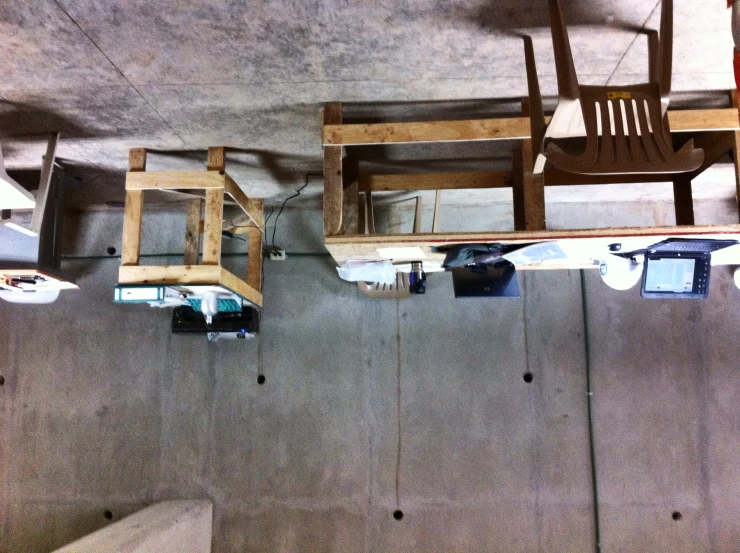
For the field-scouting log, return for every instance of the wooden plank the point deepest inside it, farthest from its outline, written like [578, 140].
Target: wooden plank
[437, 211]
[517, 189]
[165, 527]
[153, 180]
[418, 212]
[435, 181]
[507, 128]
[683, 200]
[533, 186]
[217, 158]
[343, 248]
[254, 261]
[333, 179]
[137, 159]
[132, 218]
[212, 226]
[254, 212]
[192, 231]
[169, 274]
[240, 287]
[351, 197]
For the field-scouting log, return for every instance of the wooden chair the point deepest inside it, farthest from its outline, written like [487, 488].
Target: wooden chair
[625, 127]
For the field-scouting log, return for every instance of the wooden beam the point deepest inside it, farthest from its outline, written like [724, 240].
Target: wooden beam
[240, 287]
[517, 189]
[137, 159]
[255, 213]
[217, 158]
[351, 197]
[212, 226]
[533, 185]
[333, 180]
[214, 275]
[683, 200]
[132, 217]
[366, 247]
[736, 152]
[435, 181]
[170, 274]
[437, 211]
[174, 180]
[254, 261]
[192, 231]
[506, 128]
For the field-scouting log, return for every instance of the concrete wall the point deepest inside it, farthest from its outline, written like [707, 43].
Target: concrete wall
[102, 409]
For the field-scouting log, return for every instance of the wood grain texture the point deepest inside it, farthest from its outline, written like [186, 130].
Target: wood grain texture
[137, 159]
[333, 178]
[683, 200]
[132, 218]
[170, 274]
[250, 208]
[254, 261]
[497, 129]
[240, 287]
[212, 226]
[216, 158]
[350, 197]
[435, 181]
[192, 231]
[153, 180]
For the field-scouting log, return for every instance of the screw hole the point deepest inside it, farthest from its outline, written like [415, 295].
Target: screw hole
[111, 250]
[528, 377]
[398, 514]
[2, 380]
[261, 379]
[108, 515]
[676, 515]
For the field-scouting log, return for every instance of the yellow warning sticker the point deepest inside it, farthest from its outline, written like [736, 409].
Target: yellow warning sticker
[619, 95]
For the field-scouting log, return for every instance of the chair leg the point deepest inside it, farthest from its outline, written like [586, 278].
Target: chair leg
[666, 50]
[437, 209]
[536, 112]
[564, 67]
[417, 215]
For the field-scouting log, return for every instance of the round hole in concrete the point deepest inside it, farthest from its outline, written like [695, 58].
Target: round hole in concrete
[2, 380]
[398, 514]
[111, 250]
[676, 515]
[261, 379]
[108, 515]
[528, 377]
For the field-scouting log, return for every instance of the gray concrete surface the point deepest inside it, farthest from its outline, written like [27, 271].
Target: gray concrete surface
[179, 77]
[102, 409]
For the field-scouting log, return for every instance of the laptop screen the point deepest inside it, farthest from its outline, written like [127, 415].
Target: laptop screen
[670, 275]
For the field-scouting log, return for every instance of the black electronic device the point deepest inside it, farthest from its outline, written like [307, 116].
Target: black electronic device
[486, 281]
[186, 320]
[676, 274]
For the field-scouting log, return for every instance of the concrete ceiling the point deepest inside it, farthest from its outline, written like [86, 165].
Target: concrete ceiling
[179, 76]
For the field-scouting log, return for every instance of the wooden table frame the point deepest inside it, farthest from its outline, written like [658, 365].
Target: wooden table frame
[717, 131]
[215, 183]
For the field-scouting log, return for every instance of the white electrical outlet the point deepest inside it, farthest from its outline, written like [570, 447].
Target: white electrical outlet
[278, 254]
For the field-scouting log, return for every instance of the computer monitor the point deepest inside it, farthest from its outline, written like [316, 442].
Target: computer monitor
[486, 281]
[676, 275]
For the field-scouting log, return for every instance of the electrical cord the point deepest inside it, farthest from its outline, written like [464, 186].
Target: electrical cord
[298, 191]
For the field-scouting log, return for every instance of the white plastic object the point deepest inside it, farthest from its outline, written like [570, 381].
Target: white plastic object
[368, 271]
[34, 297]
[619, 273]
[737, 276]
[209, 305]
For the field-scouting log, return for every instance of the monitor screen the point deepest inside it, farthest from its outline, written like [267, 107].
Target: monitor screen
[669, 274]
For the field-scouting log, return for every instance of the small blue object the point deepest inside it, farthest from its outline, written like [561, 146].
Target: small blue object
[224, 306]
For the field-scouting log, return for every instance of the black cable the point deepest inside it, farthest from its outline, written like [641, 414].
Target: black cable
[285, 201]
